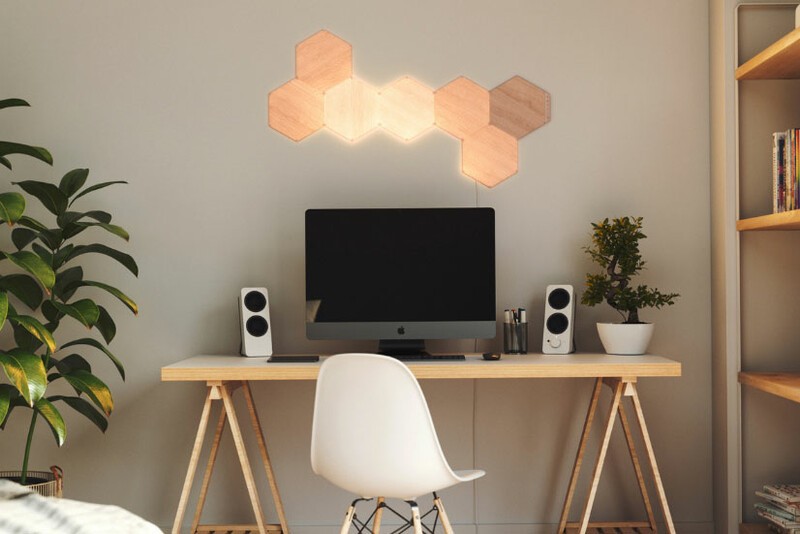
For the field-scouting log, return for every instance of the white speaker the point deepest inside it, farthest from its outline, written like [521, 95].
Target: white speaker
[559, 316]
[254, 322]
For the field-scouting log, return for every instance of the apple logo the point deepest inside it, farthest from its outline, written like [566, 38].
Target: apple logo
[401, 330]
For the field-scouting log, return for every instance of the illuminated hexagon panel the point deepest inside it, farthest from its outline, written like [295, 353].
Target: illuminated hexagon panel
[406, 108]
[326, 94]
[351, 108]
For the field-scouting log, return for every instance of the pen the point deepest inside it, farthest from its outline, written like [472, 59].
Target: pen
[523, 315]
[507, 314]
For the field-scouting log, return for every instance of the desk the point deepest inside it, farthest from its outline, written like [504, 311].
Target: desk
[224, 374]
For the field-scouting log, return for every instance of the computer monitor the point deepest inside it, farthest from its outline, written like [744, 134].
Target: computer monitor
[400, 276]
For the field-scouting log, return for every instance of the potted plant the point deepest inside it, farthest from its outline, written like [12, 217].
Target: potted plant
[615, 248]
[42, 375]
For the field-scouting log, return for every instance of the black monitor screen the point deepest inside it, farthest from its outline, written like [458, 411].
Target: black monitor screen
[397, 266]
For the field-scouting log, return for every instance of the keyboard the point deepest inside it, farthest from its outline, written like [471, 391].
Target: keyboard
[429, 357]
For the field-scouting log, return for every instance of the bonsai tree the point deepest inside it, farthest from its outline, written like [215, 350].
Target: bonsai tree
[53, 290]
[615, 248]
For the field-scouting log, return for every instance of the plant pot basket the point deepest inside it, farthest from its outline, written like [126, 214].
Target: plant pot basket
[53, 485]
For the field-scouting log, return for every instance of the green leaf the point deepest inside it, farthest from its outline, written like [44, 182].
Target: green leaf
[43, 253]
[12, 102]
[85, 311]
[95, 188]
[22, 237]
[125, 299]
[49, 195]
[5, 163]
[105, 325]
[12, 206]
[33, 224]
[50, 312]
[113, 228]
[7, 148]
[72, 181]
[61, 256]
[96, 344]
[24, 339]
[33, 264]
[53, 418]
[3, 308]
[73, 362]
[121, 257]
[93, 387]
[66, 285]
[5, 401]
[83, 407]
[99, 216]
[26, 372]
[52, 237]
[37, 329]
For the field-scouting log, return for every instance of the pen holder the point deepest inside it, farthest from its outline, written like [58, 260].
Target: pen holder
[515, 338]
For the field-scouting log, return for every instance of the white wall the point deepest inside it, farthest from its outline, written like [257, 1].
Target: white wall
[172, 96]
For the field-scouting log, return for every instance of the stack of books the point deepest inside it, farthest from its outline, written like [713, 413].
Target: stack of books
[785, 170]
[781, 507]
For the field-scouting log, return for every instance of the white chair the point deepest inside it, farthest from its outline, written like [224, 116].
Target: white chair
[373, 436]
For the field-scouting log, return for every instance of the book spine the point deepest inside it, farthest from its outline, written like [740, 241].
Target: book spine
[775, 172]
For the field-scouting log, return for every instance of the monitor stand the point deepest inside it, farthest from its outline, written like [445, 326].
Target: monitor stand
[402, 347]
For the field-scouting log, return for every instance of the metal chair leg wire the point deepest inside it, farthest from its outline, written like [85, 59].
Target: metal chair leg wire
[362, 527]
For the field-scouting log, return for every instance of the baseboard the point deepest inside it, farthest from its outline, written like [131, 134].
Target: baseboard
[501, 528]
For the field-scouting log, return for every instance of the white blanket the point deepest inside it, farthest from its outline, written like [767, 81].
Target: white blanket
[24, 512]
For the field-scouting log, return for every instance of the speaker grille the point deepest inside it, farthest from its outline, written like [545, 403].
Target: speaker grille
[557, 323]
[558, 299]
[256, 326]
[255, 301]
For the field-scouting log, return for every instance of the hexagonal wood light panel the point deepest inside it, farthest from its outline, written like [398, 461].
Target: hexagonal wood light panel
[325, 94]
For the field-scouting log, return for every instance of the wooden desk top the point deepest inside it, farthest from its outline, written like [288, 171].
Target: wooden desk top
[581, 365]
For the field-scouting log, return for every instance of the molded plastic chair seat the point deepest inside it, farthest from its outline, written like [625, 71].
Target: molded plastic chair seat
[373, 434]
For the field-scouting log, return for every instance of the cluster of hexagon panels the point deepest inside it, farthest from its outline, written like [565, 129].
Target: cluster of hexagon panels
[324, 93]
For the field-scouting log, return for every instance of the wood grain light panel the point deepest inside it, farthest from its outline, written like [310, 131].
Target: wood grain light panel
[489, 155]
[351, 108]
[323, 60]
[296, 110]
[519, 107]
[406, 108]
[461, 107]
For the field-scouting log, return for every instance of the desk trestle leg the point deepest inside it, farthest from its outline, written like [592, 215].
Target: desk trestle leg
[222, 391]
[621, 387]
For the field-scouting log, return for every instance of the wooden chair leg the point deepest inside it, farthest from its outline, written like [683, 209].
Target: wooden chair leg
[348, 519]
[576, 469]
[243, 460]
[376, 520]
[662, 496]
[212, 458]
[415, 519]
[601, 457]
[262, 447]
[193, 461]
[437, 502]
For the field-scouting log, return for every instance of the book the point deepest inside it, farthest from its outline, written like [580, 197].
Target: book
[789, 493]
[777, 512]
[780, 503]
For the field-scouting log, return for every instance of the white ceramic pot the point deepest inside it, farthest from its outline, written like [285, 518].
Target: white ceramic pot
[627, 339]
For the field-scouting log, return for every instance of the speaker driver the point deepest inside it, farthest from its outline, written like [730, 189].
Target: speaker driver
[257, 326]
[557, 323]
[559, 299]
[255, 301]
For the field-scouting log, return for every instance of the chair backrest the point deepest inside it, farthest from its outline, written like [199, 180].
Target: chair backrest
[372, 433]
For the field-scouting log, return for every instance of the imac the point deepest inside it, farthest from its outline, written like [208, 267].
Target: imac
[400, 276]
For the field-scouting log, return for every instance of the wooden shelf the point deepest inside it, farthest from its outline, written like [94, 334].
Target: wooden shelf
[786, 385]
[779, 61]
[754, 528]
[787, 220]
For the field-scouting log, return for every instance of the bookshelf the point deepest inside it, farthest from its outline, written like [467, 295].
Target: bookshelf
[764, 263]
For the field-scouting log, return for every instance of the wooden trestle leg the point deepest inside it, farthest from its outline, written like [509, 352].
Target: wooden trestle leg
[621, 387]
[223, 391]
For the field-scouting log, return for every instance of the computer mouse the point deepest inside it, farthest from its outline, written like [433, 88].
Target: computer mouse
[491, 356]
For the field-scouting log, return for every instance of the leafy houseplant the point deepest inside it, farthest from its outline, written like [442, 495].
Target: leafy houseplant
[615, 248]
[53, 289]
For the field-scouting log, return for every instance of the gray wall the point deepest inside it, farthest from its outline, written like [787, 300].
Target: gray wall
[171, 97]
